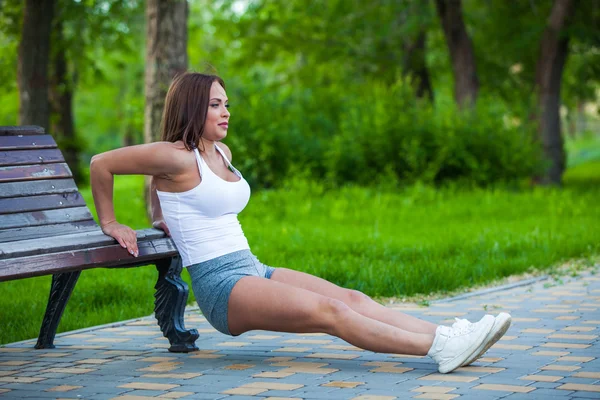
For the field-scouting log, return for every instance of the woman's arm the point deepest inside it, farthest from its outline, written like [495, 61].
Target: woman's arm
[156, 159]
[158, 221]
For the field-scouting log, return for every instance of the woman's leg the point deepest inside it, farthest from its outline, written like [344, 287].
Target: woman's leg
[258, 303]
[358, 301]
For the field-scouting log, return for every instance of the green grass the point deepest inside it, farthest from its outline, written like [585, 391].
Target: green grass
[383, 242]
[582, 149]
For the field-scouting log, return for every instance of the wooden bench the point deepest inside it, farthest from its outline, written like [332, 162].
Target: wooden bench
[46, 228]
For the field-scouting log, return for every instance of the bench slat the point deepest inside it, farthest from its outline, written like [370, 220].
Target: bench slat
[43, 231]
[27, 142]
[48, 217]
[21, 130]
[33, 188]
[27, 157]
[38, 203]
[68, 242]
[109, 256]
[33, 172]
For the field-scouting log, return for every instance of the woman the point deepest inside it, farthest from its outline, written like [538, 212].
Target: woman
[196, 196]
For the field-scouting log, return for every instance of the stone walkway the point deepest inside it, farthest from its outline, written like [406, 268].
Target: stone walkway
[551, 351]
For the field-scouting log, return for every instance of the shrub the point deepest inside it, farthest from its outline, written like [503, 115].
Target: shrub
[372, 133]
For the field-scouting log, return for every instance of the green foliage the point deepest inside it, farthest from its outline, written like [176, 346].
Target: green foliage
[315, 86]
[104, 44]
[305, 39]
[387, 129]
[10, 26]
[374, 132]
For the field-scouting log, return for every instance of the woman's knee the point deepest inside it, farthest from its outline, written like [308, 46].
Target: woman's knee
[332, 313]
[357, 299]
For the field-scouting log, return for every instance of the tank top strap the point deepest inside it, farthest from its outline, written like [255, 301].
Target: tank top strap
[223, 155]
[199, 160]
[231, 167]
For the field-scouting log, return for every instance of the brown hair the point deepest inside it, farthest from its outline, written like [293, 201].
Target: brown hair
[186, 106]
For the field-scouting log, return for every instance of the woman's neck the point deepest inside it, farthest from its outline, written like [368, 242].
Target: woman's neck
[207, 147]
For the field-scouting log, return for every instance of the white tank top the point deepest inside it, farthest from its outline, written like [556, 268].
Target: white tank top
[203, 220]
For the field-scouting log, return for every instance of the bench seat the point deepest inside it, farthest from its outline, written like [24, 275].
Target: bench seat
[76, 252]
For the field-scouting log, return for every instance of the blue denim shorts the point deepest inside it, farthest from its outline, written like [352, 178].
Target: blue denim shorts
[213, 281]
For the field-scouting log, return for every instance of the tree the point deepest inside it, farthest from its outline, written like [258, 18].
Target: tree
[414, 65]
[62, 85]
[466, 82]
[33, 60]
[553, 52]
[414, 18]
[166, 56]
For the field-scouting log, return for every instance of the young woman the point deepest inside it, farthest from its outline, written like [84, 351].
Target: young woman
[196, 196]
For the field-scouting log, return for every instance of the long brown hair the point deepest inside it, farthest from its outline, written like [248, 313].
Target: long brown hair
[186, 106]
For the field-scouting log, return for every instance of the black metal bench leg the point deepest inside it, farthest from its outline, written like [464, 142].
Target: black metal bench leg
[169, 307]
[60, 291]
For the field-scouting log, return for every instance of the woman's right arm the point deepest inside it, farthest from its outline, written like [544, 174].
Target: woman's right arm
[156, 159]
[158, 220]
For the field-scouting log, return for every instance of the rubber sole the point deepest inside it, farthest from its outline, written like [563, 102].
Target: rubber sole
[501, 325]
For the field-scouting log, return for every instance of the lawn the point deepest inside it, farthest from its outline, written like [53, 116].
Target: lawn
[384, 242]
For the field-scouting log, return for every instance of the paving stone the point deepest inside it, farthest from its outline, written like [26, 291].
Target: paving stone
[586, 395]
[547, 385]
[146, 393]
[531, 396]
[378, 395]
[104, 389]
[578, 381]
[332, 393]
[29, 394]
[542, 393]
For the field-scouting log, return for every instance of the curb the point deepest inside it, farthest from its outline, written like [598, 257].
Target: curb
[93, 328]
[493, 289]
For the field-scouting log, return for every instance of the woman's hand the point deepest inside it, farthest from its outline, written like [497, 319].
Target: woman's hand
[124, 235]
[162, 225]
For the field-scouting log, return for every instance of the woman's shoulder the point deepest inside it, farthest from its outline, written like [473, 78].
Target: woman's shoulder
[225, 149]
[174, 154]
[172, 149]
[178, 145]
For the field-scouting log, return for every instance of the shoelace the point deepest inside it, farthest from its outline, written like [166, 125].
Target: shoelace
[462, 327]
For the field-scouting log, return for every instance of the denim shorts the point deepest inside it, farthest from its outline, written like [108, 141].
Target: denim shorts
[213, 281]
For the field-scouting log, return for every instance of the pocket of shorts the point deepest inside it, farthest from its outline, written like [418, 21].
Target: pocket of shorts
[257, 264]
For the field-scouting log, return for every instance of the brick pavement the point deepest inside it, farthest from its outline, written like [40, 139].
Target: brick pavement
[551, 351]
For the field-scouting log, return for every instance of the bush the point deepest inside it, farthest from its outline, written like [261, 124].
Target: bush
[372, 133]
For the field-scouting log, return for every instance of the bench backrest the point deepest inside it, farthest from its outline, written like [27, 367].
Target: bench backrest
[38, 196]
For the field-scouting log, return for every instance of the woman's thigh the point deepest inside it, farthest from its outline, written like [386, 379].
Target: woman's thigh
[259, 303]
[302, 280]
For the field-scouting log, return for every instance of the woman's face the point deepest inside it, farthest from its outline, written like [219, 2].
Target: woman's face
[217, 118]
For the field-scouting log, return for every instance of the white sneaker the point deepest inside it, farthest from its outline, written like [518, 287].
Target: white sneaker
[501, 325]
[452, 346]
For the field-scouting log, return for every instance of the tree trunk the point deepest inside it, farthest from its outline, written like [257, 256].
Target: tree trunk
[415, 66]
[581, 121]
[32, 67]
[554, 48]
[61, 104]
[466, 83]
[166, 56]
